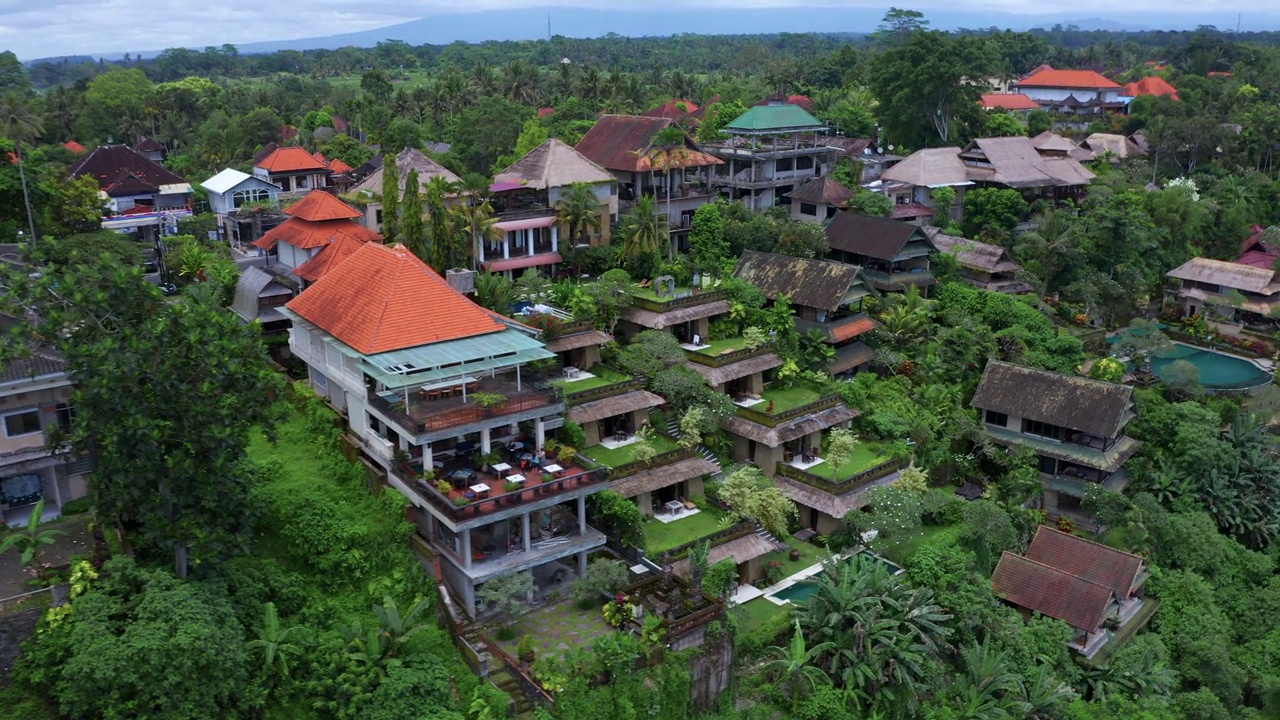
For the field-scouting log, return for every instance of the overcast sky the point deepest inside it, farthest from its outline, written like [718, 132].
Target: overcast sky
[45, 28]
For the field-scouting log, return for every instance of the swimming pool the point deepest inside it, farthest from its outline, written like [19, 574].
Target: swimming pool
[1218, 371]
[802, 590]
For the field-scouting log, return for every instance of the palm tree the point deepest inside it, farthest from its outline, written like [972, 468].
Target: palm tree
[495, 292]
[988, 690]
[795, 668]
[395, 628]
[274, 641]
[476, 221]
[20, 124]
[644, 231]
[1054, 244]
[579, 210]
[30, 538]
[667, 150]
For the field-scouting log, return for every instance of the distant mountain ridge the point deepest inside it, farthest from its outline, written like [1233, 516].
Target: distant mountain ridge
[531, 24]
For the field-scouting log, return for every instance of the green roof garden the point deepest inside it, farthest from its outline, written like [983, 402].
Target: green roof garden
[866, 456]
[604, 376]
[660, 537]
[715, 348]
[617, 457]
[785, 399]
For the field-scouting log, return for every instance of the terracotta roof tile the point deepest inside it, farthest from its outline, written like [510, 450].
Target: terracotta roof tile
[624, 142]
[1008, 101]
[109, 164]
[1090, 560]
[1075, 79]
[318, 206]
[822, 190]
[1150, 86]
[853, 329]
[383, 299]
[305, 234]
[337, 167]
[75, 147]
[1074, 600]
[289, 160]
[334, 254]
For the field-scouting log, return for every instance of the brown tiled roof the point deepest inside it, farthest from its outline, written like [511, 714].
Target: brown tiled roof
[38, 362]
[821, 284]
[908, 211]
[623, 143]
[1074, 600]
[318, 206]
[119, 168]
[149, 145]
[1095, 562]
[849, 146]
[1078, 403]
[822, 190]
[879, 238]
[384, 298]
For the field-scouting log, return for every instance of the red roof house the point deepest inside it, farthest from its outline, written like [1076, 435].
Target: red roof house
[129, 178]
[1073, 79]
[1150, 86]
[75, 147]
[293, 169]
[316, 221]
[1073, 89]
[384, 298]
[1008, 101]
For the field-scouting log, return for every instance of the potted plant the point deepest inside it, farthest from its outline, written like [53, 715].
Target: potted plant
[461, 502]
[567, 454]
[525, 650]
[512, 487]
[488, 400]
[551, 447]
[794, 554]
[444, 487]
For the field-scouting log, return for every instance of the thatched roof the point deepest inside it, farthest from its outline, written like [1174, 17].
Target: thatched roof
[1245, 278]
[821, 191]
[874, 237]
[1015, 162]
[834, 505]
[1051, 142]
[743, 549]
[974, 254]
[614, 405]
[579, 340]
[408, 159]
[725, 373]
[851, 356]
[554, 164]
[1078, 403]
[788, 431]
[820, 284]
[663, 320]
[931, 167]
[662, 476]
[1118, 145]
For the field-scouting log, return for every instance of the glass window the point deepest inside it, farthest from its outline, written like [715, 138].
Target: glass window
[22, 423]
[1044, 430]
[808, 209]
[997, 418]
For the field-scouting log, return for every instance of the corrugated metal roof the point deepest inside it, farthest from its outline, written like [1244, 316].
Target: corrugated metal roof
[774, 118]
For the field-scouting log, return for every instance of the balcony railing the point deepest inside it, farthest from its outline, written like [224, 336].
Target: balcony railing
[695, 297]
[841, 486]
[763, 418]
[450, 416]
[500, 501]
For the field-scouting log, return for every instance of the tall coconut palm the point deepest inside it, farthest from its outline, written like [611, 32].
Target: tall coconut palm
[579, 211]
[644, 231]
[476, 221]
[666, 151]
[20, 124]
[1054, 245]
[795, 666]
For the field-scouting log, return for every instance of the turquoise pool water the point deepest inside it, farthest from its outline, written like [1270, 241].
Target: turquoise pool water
[799, 592]
[1217, 371]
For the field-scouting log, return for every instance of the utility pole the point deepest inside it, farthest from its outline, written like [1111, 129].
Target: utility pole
[548, 27]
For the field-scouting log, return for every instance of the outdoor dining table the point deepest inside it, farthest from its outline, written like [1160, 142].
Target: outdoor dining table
[553, 469]
[516, 479]
[479, 488]
[501, 468]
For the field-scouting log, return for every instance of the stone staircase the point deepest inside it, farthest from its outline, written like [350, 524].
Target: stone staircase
[500, 676]
[673, 429]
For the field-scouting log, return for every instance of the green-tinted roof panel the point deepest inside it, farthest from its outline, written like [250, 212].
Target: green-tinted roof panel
[774, 118]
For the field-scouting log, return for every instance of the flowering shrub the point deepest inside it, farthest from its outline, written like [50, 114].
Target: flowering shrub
[1080, 319]
[550, 325]
[618, 611]
[1065, 524]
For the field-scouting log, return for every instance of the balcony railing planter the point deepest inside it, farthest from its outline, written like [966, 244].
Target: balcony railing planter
[739, 529]
[840, 487]
[732, 356]
[463, 415]
[631, 468]
[698, 297]
[768, 420]
[476, 506]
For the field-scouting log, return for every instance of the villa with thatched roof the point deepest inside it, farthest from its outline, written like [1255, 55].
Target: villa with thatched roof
[985, 266]
[525, 198]
[1231, 292]
[368, 192]
[818, 200]
[893, 255]
[1073, 424]
[1118, 147]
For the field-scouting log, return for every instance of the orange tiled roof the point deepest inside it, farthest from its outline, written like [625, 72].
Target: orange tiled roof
[337, 167]
[1008, 101]
[291, 159]
[1078, 79]
[1151, 86]
[384, 298]
[307, 234]
[853, 329]
[334, 254]
[319, 206]
[75, 147]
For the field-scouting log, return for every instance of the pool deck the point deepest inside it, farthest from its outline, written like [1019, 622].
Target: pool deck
[801, 576]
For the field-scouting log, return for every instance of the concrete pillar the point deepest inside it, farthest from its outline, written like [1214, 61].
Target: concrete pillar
[582, 564]
[702, 326]
[539, 433]
[582, 514]
[506, 246]
[466, 548]
[469, 597]
[529, 241]
[555, 239]
[591, 431]
[426, 458]
[524, 531]
[404, 442]
[755, 383]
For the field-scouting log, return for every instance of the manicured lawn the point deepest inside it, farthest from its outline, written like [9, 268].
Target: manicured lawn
[901, 550]
[864, 457]
[810, 554]
[660, 537]
[757, 612]
[786, 399]
[649, 294]
[627, 453]
[603, 376]
[720, 347]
